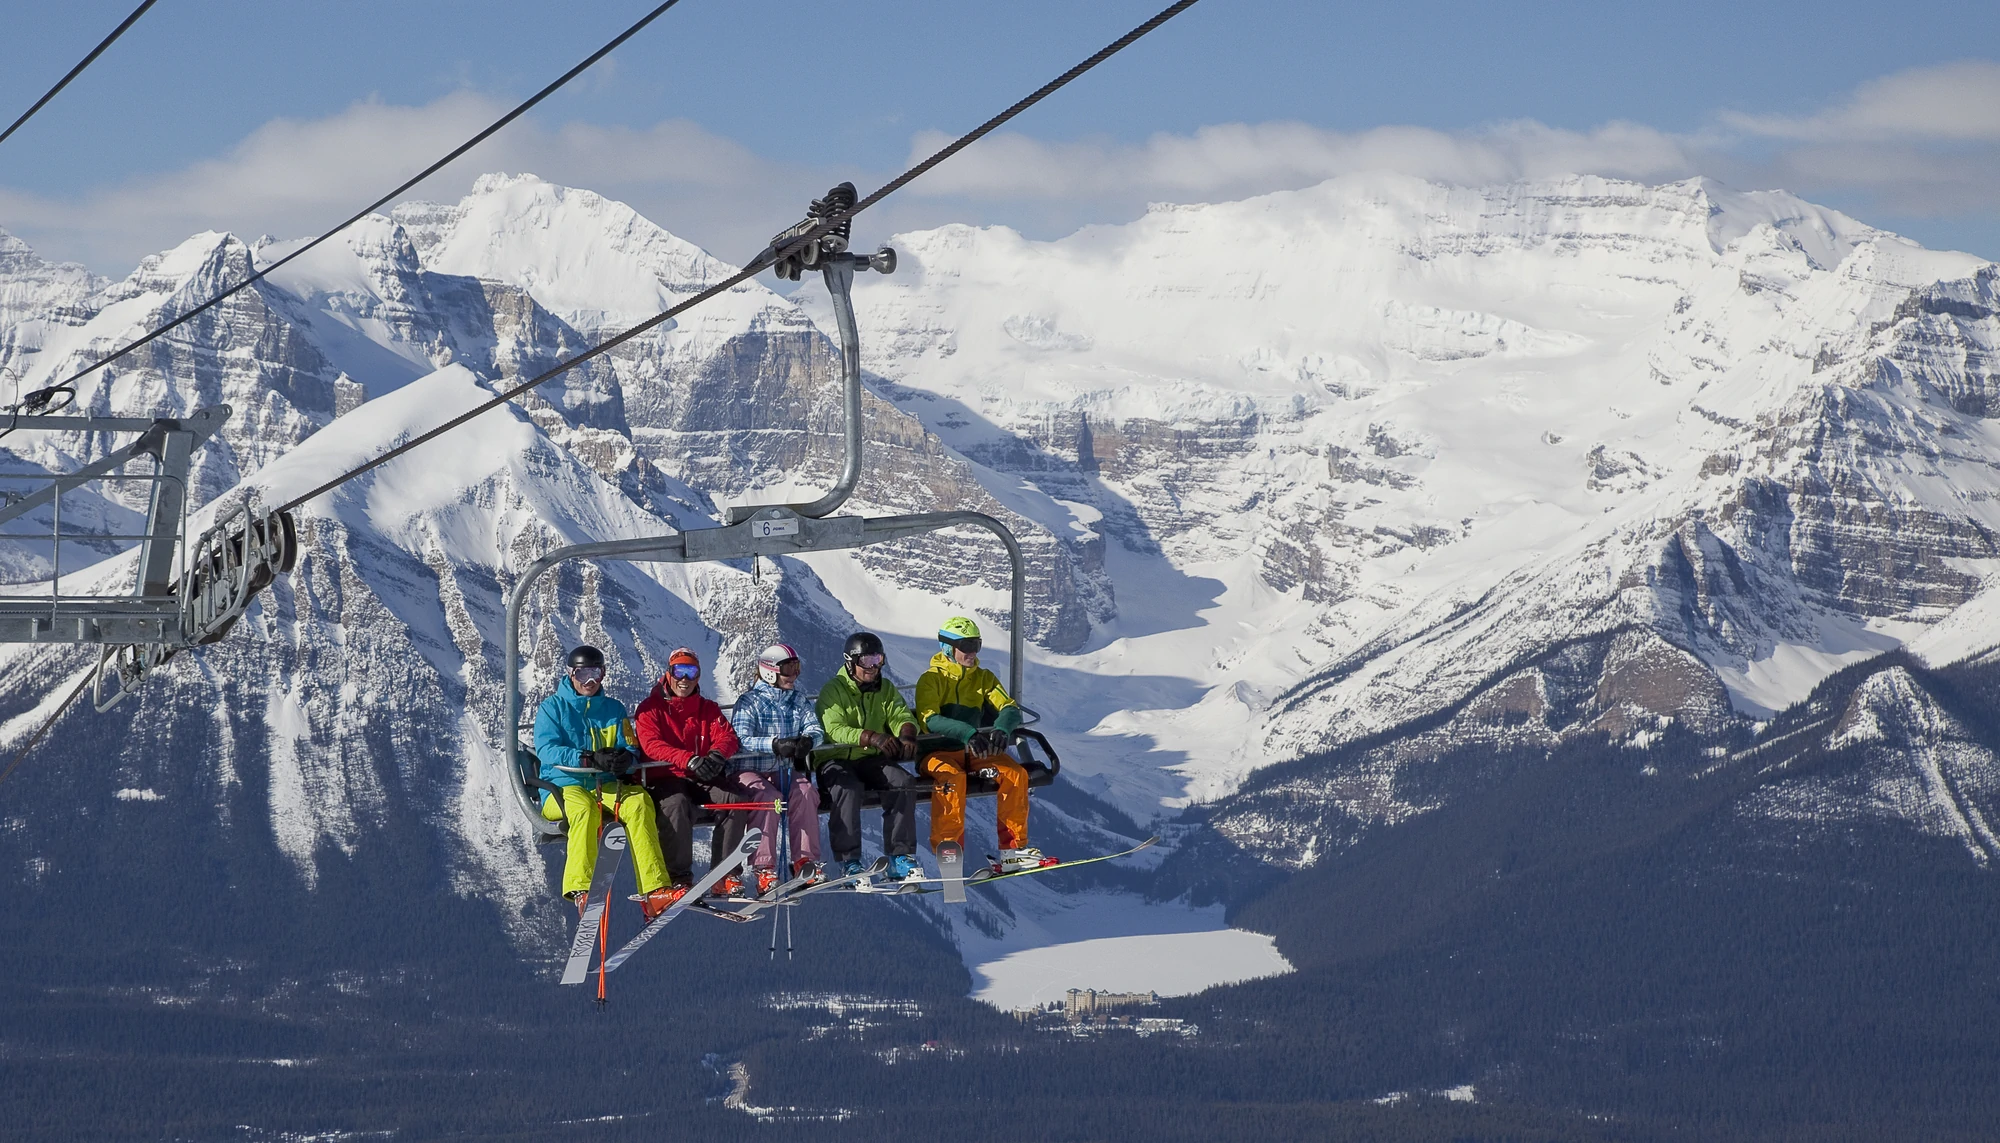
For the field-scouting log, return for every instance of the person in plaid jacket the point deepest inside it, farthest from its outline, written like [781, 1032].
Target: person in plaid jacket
[776, 724]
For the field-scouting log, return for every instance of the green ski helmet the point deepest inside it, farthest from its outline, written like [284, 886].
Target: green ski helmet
[959, 634]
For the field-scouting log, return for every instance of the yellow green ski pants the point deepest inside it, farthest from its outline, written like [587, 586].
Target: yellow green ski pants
[634, 807]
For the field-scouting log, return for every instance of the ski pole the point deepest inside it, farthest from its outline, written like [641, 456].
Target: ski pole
[777, 805]
[785, 851]
[610, 887]
[784, 786]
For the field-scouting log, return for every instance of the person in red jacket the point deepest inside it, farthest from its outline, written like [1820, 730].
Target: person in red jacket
[688, 744]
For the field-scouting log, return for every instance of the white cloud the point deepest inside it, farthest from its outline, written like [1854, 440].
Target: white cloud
[1916, 144]
[292, 178]
[1954, 102]
[1235, 159]
[1923, 143]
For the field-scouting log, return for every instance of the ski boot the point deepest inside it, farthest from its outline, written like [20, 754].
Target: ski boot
[903, 867]
[767, 880]
[1017, 860]
[661, 899]
[809, 872]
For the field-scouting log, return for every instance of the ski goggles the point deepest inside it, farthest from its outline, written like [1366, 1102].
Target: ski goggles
[685, 670]
[586, 674]
[869, 662]
[969, 646]
[789, 668]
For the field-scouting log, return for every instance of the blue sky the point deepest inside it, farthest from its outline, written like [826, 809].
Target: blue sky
[720, 118]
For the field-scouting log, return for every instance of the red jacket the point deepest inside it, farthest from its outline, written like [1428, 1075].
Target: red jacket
[676, 730]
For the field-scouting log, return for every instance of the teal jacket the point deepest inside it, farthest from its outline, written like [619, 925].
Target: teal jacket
[567, 723]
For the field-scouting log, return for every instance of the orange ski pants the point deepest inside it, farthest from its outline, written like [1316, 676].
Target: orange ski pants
[947, 770]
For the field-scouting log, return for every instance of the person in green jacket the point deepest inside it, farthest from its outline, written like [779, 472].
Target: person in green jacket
[963, 701]
[861, 709]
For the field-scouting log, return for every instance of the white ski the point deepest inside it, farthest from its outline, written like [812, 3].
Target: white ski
[951, 867]
[713, 877]
[610, 856]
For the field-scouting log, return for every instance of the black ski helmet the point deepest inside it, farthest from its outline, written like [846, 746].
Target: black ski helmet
[861, 643]
[586, 656]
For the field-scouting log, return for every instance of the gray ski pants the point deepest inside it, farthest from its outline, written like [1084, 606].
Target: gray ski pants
[844, 783]
[677, 797]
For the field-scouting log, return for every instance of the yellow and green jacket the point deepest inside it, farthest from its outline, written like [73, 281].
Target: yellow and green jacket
[957, 701]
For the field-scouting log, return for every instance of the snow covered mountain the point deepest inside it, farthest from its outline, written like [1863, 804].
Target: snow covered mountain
[365, 693]
[1378, 467]
[1576, 457]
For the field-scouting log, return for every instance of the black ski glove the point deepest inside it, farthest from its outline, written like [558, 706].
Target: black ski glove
[618, 760]
[706, 768]
[987, 742]
[793, 749]
[882, 744]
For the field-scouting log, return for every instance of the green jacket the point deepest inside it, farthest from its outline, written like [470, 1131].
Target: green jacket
[845, 710]
[957, 701]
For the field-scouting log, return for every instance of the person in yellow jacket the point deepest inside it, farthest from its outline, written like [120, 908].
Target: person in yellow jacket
[963, 701]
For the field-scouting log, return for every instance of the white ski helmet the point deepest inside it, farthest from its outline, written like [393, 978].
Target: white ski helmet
[771, 658]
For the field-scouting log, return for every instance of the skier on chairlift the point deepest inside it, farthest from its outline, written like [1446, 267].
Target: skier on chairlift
[580, 726]
[775, 724]
[689, 743]
[964, 701]
[862, 710]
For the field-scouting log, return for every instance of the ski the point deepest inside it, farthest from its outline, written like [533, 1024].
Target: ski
[891, 888]
[590, 928]
[784, 896]
[982, 876]
[713, 877]
[777, 896]
[986, 876]
[845, 881]
[719, 914]
[951, 868]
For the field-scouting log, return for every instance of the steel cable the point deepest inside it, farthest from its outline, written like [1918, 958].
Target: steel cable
[78, 69]
[756, 266]
[427, 172]
[21, 753]
[761, 261]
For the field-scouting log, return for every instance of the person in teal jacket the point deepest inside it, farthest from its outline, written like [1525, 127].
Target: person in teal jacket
[581, 727]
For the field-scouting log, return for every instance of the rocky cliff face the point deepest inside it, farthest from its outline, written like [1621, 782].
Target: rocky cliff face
[366, 689]
[1548, 459]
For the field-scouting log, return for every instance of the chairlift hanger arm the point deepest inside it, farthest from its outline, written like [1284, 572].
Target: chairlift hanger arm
[828, 252]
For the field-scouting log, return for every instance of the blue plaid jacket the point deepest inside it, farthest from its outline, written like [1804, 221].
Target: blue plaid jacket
[765, 712]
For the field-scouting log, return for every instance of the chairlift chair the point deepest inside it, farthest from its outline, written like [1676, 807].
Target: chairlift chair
[770, 530]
